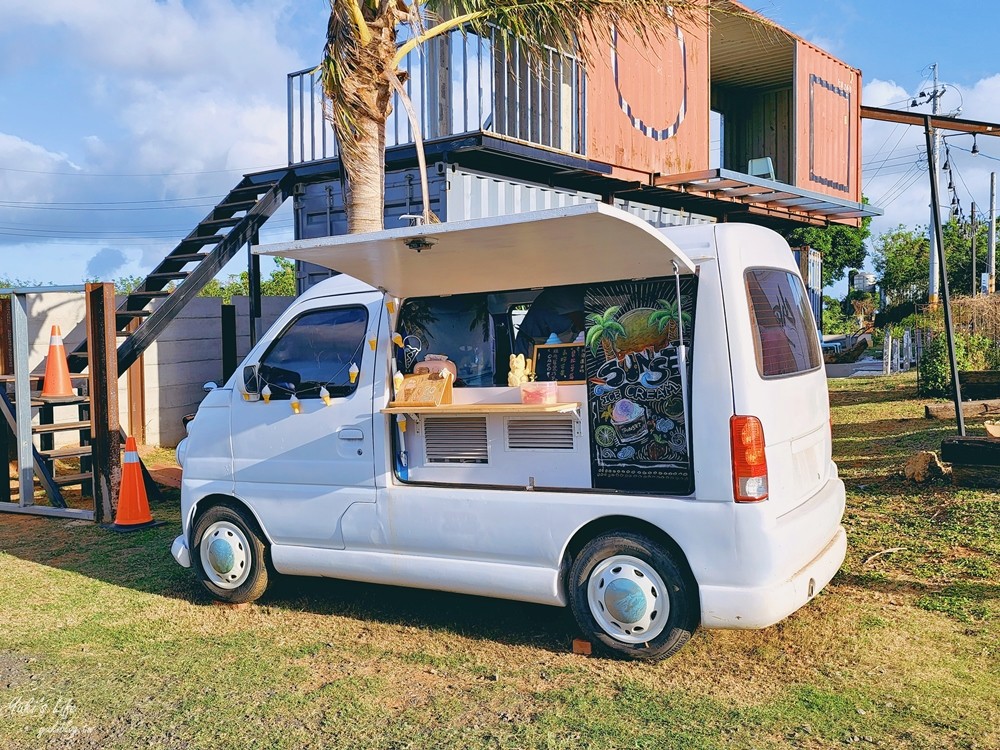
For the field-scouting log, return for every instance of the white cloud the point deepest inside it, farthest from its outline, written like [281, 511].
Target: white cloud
[180, 99]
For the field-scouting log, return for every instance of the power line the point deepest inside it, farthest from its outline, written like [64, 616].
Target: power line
[110, 203]
[239, 170]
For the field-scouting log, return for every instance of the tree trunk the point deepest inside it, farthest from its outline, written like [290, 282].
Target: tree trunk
[365, 170]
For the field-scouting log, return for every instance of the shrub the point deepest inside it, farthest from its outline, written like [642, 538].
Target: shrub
[934, 367]
[972, 352]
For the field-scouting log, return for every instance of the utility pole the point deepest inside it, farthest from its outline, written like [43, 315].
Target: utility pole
[991, 257]
[932, 288]
[975, 281]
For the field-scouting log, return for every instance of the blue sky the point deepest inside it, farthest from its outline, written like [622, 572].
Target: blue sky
[123, 121]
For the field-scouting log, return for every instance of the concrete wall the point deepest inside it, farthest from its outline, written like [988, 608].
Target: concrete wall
[184, 357]
[187, 355]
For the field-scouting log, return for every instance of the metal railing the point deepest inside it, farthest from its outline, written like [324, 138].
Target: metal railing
[461, 84]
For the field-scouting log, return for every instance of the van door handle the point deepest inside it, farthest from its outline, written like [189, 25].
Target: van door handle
[350, 434]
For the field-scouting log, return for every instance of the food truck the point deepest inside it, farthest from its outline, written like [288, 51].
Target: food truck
[566, 407]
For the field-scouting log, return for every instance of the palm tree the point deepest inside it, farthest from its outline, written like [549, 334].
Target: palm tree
[362, 58]
[603, 329]
[668, 314]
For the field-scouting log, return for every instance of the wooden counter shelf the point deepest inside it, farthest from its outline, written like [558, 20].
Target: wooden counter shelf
[512, 408]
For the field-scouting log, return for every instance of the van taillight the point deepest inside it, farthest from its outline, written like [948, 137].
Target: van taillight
[746, 436]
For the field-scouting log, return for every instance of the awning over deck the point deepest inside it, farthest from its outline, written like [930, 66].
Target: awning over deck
[588, 243]
[763, 196]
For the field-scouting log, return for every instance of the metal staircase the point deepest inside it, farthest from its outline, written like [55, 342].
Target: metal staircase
[201, 255]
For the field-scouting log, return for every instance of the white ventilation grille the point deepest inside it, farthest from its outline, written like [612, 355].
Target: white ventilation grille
[549, 434]
[456, 440]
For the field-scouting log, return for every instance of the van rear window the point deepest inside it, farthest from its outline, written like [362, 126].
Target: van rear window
[785, 337]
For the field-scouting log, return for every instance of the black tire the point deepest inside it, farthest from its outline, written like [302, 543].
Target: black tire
[250, 573]
[680, 594]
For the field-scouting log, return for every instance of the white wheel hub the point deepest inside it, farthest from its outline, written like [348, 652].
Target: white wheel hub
[225, 555]
[628, 599]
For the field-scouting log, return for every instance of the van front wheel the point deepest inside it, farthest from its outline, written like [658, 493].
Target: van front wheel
[630, 596]
[230, 555]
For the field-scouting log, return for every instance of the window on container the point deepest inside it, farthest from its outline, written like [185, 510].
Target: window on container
[316, 351]
[785, 340]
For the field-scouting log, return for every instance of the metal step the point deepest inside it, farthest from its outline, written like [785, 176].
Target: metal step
[67, 479]
[232, 221]
[41, 429]
[255, 190]
[73, 451]
[133, 313]
[186, 257]
[236, 206]
[68, 402]
[157, 293]
[206, 240]
[168, 275]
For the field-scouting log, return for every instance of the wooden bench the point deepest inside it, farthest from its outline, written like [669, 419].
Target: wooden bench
[975, 461]
[979, 384]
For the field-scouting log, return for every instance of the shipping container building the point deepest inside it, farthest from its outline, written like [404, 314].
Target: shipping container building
[723, 116]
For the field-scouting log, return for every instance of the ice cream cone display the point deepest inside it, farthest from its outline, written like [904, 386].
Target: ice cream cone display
[353, 373]
[401, 421]
[390, 305]
[397, 382]
[397, 339]
[295, 404]
[57, 385]
[266, 394]
[325, 395]
[373, 342]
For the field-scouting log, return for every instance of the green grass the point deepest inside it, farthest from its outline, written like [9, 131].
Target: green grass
[105, 642]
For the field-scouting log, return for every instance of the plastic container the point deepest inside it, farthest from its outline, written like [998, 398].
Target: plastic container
[539, 392]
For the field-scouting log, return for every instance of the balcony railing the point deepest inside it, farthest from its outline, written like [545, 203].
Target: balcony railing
[461, 84]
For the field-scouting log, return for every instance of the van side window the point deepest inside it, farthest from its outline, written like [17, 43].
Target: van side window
[316, 350]
[785, 338]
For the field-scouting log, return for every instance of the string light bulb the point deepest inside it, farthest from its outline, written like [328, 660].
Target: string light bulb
[295, 404]
[266, 394]
[353, 372]
[325, 395]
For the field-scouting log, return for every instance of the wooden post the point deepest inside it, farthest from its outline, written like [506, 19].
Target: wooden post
[6, 368]
[228, 342]
[136, 376]
[6, 342]
[105, 427]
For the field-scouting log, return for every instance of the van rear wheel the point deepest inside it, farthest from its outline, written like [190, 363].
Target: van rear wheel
[631, 597]
[230, 555]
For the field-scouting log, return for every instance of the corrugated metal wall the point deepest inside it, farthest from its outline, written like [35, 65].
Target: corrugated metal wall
[455, 195]
[827, 123]
[649, 114]
[319, 211]
[810, 262]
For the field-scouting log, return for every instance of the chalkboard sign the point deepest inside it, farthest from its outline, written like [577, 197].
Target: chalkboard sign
[563, 363]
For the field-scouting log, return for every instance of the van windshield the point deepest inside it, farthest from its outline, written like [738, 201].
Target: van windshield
[784, 332]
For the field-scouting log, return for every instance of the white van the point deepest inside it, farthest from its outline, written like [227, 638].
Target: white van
[678, 472]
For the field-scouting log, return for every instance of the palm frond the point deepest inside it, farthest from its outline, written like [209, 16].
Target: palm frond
[566, 24]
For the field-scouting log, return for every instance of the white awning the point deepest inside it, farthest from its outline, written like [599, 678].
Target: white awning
[588, 243]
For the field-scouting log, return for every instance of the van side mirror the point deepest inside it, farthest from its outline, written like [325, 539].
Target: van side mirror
[251, 383]
[209, 386]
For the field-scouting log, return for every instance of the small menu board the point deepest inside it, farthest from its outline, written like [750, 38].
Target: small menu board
[563, 363]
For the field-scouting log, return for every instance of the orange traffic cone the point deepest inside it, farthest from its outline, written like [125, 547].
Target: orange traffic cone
[57, 385]
[133, 507]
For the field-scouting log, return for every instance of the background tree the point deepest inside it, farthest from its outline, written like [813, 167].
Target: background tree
[900, 258]
[843, 247]
[280, 283]
[362, 59]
